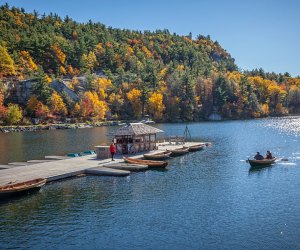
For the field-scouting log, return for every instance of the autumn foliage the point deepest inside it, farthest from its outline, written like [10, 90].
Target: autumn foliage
[123, 74]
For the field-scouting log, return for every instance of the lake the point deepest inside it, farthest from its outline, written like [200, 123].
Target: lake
[204, 200]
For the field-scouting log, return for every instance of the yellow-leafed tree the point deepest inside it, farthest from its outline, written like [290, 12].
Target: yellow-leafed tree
[13, 114]
[57, 105]
[156, 106]
[76, 110]
[26, 62]
[60, 55]
[89, 61]
[7, 66]
[134, 98]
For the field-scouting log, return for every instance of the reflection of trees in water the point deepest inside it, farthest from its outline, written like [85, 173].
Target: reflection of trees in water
[25, 146]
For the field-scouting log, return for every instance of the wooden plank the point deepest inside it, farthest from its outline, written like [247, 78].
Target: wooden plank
[20, 163]
[39, 161]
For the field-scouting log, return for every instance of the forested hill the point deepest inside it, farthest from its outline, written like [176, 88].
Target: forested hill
[168, 76]
[65, 47]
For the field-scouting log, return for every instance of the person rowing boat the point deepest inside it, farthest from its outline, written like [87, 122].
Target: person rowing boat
[258, 156]
[269, 155]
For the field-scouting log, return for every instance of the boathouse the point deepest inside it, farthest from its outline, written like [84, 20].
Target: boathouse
[136, 137]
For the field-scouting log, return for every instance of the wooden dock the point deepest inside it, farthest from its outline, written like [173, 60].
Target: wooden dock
[57, 168]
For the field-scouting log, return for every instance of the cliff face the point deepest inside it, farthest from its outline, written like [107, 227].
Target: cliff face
[20, 91]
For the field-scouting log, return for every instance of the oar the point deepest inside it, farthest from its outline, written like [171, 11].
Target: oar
[284, 159]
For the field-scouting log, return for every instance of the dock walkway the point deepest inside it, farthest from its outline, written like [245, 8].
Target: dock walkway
[64, 168]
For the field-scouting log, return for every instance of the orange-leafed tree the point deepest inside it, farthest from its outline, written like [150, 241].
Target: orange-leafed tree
[91, 106]
[31, 105]
[41, 110]
[57, 105]
[2, 108]
[156, 106]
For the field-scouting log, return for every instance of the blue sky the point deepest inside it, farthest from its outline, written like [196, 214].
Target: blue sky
[256, 33]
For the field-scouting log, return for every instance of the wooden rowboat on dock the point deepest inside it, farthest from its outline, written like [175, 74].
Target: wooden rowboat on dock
[22, 187]
[197, 147]
[179, 151]
[158, 156]
[262, 163]
[155, 164]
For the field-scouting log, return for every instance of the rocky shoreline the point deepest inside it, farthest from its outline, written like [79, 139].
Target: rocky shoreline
[9, 129]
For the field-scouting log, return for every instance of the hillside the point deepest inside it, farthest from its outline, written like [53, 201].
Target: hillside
[128, 74]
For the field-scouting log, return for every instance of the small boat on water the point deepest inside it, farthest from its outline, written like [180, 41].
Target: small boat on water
[197, 147]
[262, 163]
[22, 187]
[155, 164]
[158, 156]
[179, 151]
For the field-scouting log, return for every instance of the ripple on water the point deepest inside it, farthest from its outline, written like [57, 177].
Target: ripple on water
[204, 200]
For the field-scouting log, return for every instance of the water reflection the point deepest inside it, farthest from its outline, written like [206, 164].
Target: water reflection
[260, 169]
[35, 145]
[205, 199]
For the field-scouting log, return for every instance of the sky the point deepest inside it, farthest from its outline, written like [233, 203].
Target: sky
[257, 33]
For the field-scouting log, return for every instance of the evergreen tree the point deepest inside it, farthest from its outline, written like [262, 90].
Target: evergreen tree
[41, 88]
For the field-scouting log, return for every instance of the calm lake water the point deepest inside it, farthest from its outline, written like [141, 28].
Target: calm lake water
[205, 200]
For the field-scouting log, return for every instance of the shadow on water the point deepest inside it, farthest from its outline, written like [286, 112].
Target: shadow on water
[260, 169]
[158, 169]
[18, 197]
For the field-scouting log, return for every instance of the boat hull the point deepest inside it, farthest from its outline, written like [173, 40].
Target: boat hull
[155, 164]
[178, 152]
[196, 147]
[159, 156]
[22, 188]
[261, 163]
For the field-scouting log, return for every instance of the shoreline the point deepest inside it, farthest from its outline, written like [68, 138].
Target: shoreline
[54, 126]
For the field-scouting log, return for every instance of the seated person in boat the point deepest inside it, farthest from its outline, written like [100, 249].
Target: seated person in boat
[258, 156]
[269, 155]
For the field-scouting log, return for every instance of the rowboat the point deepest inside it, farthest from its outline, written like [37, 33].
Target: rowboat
[261, 163]
[155, 164]
[22, 187]
[179, 151]
[158, 156]
[197, 147]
